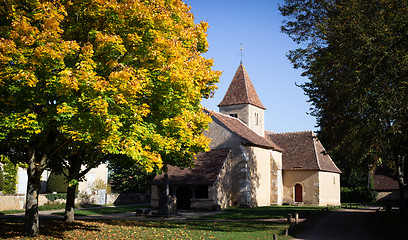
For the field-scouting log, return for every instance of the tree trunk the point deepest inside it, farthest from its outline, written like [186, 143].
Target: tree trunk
[73, 174]
[164, 197]
[401, 189]
[36, 165]
[69, 215]
[31, 219]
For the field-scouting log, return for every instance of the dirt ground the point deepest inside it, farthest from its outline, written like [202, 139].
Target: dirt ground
[350, 224]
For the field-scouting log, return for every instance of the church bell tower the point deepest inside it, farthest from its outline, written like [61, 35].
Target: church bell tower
[242, 101]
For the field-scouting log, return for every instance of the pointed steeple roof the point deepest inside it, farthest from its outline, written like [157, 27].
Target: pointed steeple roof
[241, 90]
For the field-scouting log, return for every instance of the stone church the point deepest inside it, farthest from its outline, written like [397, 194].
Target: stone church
[248, 166]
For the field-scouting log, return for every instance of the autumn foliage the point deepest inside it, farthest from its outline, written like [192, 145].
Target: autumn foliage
[126, 76]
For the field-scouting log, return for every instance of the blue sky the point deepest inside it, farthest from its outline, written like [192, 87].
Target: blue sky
[255, 24]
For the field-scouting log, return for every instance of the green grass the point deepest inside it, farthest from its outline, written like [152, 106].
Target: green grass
[51, 206]
[114, 229]
[45, 207]
[210, 229]
[94, 209]
[102, 211]
[364, 204]
[354, 205]
[12, 211]
[266, 212]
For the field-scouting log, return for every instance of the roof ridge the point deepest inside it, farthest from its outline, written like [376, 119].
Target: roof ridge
[315, 151]
[269, 132]
[246, 83]
[249, 136]
[234, 118]
[305, 131]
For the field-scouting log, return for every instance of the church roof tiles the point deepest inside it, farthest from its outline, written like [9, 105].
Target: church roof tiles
[241, 90]
[244, 132]
[205, 171]
[303, 151]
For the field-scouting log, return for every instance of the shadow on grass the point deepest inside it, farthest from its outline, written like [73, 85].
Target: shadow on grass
[220, 226]
[103, 210]
[348, 223]
[91, 229]
[388, 225]
[266, 212]
[14, 228]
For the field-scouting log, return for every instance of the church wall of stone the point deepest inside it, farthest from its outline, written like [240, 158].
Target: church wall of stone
[260, 176]
[310, 185]
[276, 178]
[241, 110]
[256, 120]
[251, 115]
[329, 189]
[222, 186]
[223, 138]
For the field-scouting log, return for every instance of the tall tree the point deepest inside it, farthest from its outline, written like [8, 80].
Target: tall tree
[74, 163]
[125, 76]
[355, 57]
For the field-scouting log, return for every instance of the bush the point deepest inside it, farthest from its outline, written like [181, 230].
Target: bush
[100, 184]
[56, 183]
[51, 206]
[358, 194]
[55, 196]
[9, 175]
[1, 180]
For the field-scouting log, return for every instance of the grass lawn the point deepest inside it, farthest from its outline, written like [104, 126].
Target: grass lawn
[115, 229]
[266, 212]
[129, 229]
[104, 210]
[93, 209]
[12, 211]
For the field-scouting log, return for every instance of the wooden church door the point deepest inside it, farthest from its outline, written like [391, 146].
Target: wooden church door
[298, 193]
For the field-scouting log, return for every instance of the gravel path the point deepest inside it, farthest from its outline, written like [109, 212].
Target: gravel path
[338, 225]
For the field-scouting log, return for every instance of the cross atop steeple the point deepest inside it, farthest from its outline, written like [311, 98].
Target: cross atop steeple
[242, 48]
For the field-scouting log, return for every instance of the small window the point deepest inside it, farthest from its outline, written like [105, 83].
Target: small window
[202, 192]
[234, 115]
[256, 119]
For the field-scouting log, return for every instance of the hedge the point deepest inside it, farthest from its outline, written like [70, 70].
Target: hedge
[1, 180]
[9, 175]
[358, 194]
[56, 183]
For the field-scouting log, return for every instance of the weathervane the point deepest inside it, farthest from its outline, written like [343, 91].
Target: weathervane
[242, 48]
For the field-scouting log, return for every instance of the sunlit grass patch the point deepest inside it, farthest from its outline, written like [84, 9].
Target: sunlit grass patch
[266, 212]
